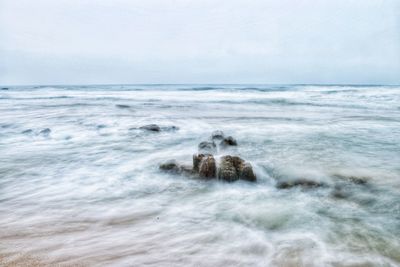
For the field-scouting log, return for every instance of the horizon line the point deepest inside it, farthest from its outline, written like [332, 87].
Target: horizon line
[180, 84]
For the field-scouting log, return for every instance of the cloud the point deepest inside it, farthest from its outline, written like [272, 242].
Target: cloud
[164, 41]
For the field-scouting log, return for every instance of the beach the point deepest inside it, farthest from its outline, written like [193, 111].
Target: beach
[81, 184]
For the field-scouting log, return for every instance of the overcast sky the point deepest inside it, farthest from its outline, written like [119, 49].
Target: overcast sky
[202, 41]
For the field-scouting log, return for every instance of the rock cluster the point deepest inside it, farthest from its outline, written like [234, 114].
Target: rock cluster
[233, 168]
[230, 168]
[156, 128]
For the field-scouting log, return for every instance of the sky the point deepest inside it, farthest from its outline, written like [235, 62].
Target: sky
[202, 41]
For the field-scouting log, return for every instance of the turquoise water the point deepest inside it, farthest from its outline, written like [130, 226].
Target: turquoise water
[79, 183]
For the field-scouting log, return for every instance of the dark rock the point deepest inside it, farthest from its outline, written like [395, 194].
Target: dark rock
[151, 127]
[45, 132]
[229, 141]
[196, 161]
[352, 179]
[185, 169]
[247, 173]
[204, 165]
[207, 147]
[217, 135]
[227, 170]
[4, 88]
[101, 126]
[305, 183]
[232, 168]
[122, 106]
[340, 192]
[207, 167]
[29, 131]
[170, 128]
[170, 166]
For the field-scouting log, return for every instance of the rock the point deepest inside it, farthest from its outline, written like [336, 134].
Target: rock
[151, 127]
[232, 168]
[204, 165]
[352, 179]
[340, 192]
[227, 170]
[207, 167]
[45, 132]
[170, 166]
[196, 161]
[207, 147]
[29, 131]
[122, 106]
[228, 141]
[299, 182]
[185, 169]
[170, 128]
[247, 173]
[217, 135]
[4, 88]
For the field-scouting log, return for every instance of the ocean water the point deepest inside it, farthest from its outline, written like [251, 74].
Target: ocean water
[80, 183]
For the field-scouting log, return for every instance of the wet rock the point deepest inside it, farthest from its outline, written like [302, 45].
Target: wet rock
[302, 182]
[101, 126]
[29, 131]
[151, 127]
[217, 135]
[185, 169]
[247, 173]
[196, 161]
[207, 167]
[227, 170]
[340, 192]
[122, 106]
[45, 132]
[352, 179]
[207, 147]
[4, 88]
[228, 141]
[170, 166]
[170, 128]
[232, 168]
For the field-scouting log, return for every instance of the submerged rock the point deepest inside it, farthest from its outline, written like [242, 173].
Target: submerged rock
[29, 131]
[207, 147]
[228, 141]
[217, 135]
[232, 168]
[305, 183]
[122, 106]
[45, 132]
[151, 127]
[170, 128]
[352, 179]
[172, 166]
[340, 192]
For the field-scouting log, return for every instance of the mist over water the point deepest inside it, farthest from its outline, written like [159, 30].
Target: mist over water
[80, 183]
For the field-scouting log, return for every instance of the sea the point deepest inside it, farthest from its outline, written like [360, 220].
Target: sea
[80, 183]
